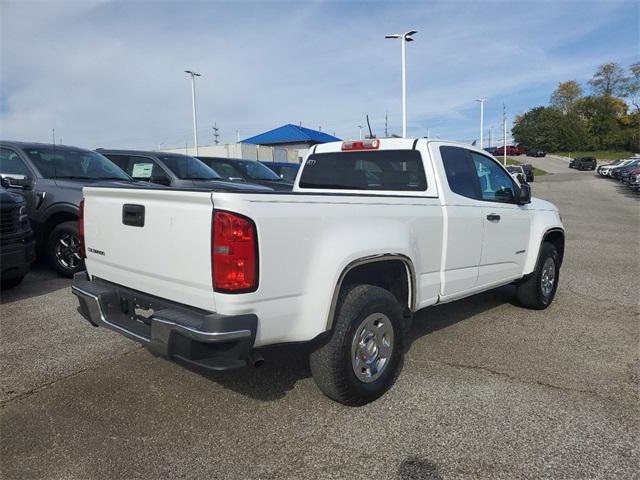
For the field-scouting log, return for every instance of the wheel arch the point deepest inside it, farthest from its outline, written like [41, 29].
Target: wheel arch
[555, 236]
[401, 282]
[57, 215]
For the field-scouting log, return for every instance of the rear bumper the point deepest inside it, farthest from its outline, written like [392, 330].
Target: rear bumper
[174, 331]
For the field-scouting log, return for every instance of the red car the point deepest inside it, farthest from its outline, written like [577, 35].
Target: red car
[511, 150]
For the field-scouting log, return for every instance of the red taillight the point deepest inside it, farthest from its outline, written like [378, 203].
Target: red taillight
[83, 252]
[234, 253]
[369, 144]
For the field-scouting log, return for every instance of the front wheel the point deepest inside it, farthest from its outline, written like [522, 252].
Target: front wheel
[364, 355]
[63, 249]
[539, 290]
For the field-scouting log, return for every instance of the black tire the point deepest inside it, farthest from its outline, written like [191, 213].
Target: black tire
[331, 364]
[63, 260]
[10, 283]
[531, 293]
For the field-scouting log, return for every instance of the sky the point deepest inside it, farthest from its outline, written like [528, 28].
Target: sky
[111, 74]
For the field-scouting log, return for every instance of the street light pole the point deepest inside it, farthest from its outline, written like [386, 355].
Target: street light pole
[193, 104]
[481, 100]
[360, 127]
[404, 38]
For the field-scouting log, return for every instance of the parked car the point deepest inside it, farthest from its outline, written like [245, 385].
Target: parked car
[627, 174]
[528, 172]
[373, 231]
[511, 150]
[604, 169]
[583, 163]
[517, 172]
[252, 171]
[173, 170]
[634, 180]
[51, 178]
[17, 246]
[536, 153]
[618, 171]
[286, 171]
[491, 150]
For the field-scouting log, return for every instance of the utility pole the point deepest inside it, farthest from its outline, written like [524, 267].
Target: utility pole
[504, 126]
[481, 100]
[193, 105]
[216, 135]
[386, 124]
[238, 136]
[360, 127]
[491, 136]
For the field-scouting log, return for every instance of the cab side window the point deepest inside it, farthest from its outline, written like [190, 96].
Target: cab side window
[461, 172]
[140, 168]
[496, 185]
[11, 163]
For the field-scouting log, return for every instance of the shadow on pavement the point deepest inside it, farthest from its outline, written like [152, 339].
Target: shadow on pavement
[414, 468]
[285, 365]
[39, 281]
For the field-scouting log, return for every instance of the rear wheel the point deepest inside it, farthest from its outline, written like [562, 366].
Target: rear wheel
[63, 249]
[539, 290]
[365, 352]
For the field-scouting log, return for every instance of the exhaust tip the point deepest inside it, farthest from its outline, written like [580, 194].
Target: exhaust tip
[256, 359]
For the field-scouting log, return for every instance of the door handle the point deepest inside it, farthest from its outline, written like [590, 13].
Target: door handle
[493, 217]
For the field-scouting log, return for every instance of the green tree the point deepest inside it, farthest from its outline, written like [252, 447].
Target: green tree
[538, 128]
[604, 115]
[608, 80]
[632, 86]
[565, 95]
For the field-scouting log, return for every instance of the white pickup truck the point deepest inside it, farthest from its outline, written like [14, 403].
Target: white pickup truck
[373, 231]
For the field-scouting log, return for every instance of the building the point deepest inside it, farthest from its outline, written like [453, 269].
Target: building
[291, 137]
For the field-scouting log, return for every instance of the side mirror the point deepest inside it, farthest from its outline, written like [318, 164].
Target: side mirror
[524, 194]
[17, 181]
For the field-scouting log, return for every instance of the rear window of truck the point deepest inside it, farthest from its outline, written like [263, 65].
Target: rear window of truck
[388, 170]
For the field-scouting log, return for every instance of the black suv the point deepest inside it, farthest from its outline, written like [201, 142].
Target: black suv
[174, 170]
[583, 163]
[252, 171]
[17, 250]
[50, 178]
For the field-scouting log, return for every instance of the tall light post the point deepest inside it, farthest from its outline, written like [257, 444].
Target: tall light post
[193, 103]
[404, 38]
[360, 127]
[481, 100]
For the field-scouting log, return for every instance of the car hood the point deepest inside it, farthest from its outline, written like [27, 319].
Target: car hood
[539, 204]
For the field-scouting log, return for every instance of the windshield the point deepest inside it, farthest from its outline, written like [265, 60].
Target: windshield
[54, 162]
[257, 171]
[188, 168]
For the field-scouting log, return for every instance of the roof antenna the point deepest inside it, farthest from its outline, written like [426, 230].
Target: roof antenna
[369, 125]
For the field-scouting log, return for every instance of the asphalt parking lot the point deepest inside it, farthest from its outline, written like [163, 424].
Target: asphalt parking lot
[489, 390]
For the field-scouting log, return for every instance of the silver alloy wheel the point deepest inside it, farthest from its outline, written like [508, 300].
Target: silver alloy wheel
[372, 347]
[548, 276]
[68, 251]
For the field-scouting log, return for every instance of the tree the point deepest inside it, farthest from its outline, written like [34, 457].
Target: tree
[609, 80]
[605, 117]
[565, 95]
[632, 86]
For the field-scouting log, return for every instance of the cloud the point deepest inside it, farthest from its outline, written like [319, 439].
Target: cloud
[111, 73]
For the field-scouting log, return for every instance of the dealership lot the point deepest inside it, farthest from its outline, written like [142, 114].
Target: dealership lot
[488, 389]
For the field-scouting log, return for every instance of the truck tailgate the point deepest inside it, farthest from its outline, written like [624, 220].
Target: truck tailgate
[154, 241]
